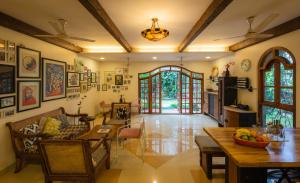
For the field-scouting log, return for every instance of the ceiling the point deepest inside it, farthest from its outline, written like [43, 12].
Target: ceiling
[132, 16]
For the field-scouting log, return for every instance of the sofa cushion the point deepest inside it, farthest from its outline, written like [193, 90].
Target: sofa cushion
[52, 126]
[30, 143]
[64, 121]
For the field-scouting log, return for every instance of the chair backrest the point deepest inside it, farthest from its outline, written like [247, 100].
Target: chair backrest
[116, 106]
[66, 157]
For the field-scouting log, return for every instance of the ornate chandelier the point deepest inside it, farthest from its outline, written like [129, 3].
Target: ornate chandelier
[155, 33]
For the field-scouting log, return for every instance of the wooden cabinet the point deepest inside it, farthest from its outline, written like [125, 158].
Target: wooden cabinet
[234, 117]
[211, 104]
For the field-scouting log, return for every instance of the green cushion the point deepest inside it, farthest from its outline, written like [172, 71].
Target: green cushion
[52, 126]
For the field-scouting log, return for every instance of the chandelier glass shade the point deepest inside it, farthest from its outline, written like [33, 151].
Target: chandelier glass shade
[155, 33]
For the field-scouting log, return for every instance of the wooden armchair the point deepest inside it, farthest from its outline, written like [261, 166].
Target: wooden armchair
[73, 160]
[17, 137]
[115, 118]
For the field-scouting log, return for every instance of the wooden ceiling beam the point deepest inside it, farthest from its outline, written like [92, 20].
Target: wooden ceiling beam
[95, 9]
[213, 10]
[22, 27]
[279, 30]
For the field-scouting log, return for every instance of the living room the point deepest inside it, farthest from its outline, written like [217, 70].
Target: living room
[92, 72]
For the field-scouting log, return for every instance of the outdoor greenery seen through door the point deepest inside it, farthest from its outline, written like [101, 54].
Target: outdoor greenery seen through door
[171, 89]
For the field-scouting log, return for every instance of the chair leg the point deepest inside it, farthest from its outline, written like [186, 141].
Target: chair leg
[142, 148]
[19, 164]
[107, 162]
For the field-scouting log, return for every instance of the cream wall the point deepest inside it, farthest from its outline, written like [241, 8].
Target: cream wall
[290, 41]
[53, 52]
[138, 67]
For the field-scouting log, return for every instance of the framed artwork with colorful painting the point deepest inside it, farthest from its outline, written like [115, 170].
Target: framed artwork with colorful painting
[73, 79]
[28, 63]
[29, 95]
[7, 79]
[54, 79]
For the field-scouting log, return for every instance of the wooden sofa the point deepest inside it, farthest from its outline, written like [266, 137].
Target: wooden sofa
[71, 132]
[73, 160]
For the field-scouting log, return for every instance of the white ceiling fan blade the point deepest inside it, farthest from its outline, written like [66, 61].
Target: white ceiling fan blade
[56, 27]
[229, 38]
[63, 24]
[265, 22]
[80, 39]
[258, 35]
[37, 35]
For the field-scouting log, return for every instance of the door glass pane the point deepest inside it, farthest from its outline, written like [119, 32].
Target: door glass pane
[286, 76]
[144, 96]
[185, 94]
[269, 94]
[286, 118]
[197, 90]
[286, 96]
[155, 94]
[269, 77]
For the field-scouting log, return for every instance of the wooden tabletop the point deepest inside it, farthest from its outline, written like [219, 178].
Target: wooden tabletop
[276, 154]
[93, 135]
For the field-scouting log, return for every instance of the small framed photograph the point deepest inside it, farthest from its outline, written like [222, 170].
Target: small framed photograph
[9, 113]
[29, 95]
[108, 87]
[125, 82]
[98, 87]
[89, 81]
[73, 79]
[7, 102]
[119, 71]
[104, 87]
[29, 63]
[2, 51]
[11, 52]
[118, 79]
[81, 76]
[128, 81]
[93, 76]
[7, 79]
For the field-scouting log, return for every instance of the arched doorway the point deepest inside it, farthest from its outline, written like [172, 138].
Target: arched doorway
[171, 89]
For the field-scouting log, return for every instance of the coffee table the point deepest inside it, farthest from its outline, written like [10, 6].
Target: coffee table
[93, 134]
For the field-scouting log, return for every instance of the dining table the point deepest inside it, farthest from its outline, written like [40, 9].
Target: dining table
[248, 164]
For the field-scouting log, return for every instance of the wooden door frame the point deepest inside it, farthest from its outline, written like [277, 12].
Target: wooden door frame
[180, 72]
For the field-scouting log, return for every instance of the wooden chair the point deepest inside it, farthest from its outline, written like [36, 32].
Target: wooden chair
[114, 120]
[209, 149]
[132, 133]
[73, 160]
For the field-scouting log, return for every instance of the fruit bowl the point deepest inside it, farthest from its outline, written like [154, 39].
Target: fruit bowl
[250, 143]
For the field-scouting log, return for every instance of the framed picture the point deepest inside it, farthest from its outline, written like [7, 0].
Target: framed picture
[119, 80]
[29, 95]
[2, 51]
[11, 52]
[98, 87]
[104, 87]
[54, 79]
[109, 77]
[7, 79]
[119, 71]
[93, 77]
[73, 79]
[89, 81]
[81, 77]
[29, 63]
[7, 102]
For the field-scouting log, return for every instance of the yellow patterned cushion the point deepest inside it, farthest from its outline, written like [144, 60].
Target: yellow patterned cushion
[52, 126]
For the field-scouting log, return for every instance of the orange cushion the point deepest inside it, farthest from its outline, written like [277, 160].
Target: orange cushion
[130, 133]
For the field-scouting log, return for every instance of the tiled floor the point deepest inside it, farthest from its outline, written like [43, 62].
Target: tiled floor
[170, 156]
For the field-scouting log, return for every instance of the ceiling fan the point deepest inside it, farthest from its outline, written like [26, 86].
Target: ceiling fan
[59, 27]
[255, 32]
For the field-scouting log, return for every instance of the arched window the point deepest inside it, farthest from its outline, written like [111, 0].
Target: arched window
[277, 90]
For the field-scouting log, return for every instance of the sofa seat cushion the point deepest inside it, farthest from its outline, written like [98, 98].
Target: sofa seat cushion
[30, 145]
[71, 132]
